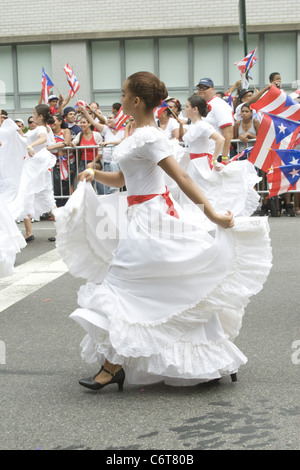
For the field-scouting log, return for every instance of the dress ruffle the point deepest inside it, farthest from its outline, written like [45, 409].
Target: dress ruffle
[11, 241]
[35, 193]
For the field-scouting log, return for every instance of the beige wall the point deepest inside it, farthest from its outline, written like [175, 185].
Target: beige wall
[33, 20]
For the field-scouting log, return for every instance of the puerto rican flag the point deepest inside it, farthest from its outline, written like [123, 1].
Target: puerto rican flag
[244, 155]
[283, 179]
[160, 109]
[63, 165]
[247, 63]
[81, 103]
[274, 133]
[47, 84]
[72, 80]
[120, 119]
[275, 101]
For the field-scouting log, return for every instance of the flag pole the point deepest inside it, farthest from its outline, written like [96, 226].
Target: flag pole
[243, 24]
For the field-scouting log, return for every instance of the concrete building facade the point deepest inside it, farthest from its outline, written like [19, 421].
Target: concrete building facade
[106, 41]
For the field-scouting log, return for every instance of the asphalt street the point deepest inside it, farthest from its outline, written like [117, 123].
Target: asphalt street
[44, 408]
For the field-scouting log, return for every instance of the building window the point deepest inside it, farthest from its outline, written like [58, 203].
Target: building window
[209, 59]
[281, 56]
[21, 73]
[6, 78]
[139, 55]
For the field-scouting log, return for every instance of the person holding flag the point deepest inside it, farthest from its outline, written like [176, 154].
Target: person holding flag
[245, 65]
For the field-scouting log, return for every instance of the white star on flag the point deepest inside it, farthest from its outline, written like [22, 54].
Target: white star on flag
[295, 161]
[282, 128]
[294, 173]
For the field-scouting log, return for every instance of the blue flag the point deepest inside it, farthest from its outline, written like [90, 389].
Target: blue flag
[291, 172]
[283, 127]
[289, 156]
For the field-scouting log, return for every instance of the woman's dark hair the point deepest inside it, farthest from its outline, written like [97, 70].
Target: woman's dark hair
[60, 118]
[91, 125]
[44, 110]
[148, 87]
[246, 105]
[200, 103]
[176, 102]
[116, 106]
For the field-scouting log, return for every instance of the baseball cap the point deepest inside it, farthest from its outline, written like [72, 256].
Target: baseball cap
[68, 109]
[19, 120]
[206, 82]
[244, 91]
[52, 97]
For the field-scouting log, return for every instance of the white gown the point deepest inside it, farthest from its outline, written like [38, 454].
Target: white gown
[35, 190]
[232, 188]
[164, 298]
[11, 241]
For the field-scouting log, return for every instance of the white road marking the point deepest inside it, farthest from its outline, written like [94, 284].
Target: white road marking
[30, 277]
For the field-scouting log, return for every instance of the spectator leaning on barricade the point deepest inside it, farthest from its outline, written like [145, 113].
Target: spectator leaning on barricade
[62, 182]
[111, 138]
[87, 138]
[70, 120]
[246, 129]
[220, 115]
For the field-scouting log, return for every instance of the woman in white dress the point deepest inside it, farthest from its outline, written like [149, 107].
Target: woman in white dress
[165, 298]
[35, 193]
[230, 186]
[11, 241]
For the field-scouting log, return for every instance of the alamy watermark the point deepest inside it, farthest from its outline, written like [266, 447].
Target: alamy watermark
[296, 353]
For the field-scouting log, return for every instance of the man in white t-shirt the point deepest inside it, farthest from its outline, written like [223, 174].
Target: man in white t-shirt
[220, 116]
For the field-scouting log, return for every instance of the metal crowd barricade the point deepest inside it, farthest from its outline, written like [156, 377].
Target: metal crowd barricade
[65, 171]
[65, 183]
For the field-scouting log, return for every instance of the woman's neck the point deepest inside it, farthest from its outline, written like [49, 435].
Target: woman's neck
[146, 119]
[196, 118]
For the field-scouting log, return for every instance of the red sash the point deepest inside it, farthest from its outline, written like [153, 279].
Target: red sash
[199, 155]
[136, 199]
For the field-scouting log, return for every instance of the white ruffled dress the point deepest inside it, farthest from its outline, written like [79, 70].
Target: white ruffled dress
[232, 188]
[11, 241]
[35, 191]
[164, 297]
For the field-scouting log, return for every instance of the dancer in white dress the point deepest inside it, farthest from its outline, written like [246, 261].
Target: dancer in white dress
[165, 298]
[225, 186]
[35, 192]
[11, 241]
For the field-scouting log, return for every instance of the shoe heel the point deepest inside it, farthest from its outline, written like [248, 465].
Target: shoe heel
[120, 386]
[233, 377]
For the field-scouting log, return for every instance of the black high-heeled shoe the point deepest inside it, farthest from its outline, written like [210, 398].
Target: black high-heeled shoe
[117, 378]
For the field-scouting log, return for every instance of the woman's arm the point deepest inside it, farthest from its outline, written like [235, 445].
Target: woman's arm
[86, 114]
[219, 139]
[42, 138]
[67, 137]
[193, 192]
[115, 178]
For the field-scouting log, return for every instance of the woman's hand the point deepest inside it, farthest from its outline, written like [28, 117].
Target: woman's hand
[30, 152]
[226, 220]
[87, 175]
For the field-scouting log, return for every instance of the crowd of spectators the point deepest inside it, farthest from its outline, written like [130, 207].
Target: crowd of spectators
[76, 128]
